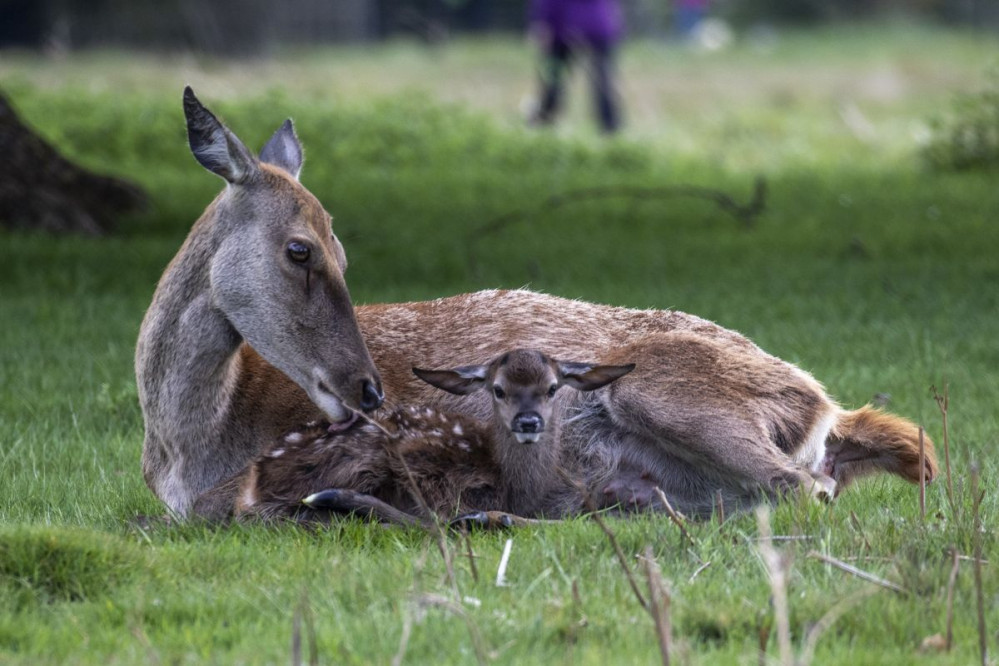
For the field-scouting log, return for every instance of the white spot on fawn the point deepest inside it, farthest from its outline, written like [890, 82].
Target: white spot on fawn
[276, 453]
[294, 437]
[458, 430]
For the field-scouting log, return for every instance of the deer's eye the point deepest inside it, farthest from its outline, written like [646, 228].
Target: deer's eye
[551, 390]
[298, 252]
[499, 393]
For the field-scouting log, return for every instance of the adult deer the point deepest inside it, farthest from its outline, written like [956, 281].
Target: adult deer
[223, 369]
[259, 277]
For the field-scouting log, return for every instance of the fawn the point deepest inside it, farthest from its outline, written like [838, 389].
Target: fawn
[417, 460]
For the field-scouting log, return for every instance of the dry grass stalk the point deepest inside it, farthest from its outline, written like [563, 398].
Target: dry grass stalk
[407, 630]
[619, 553]
[675, 517]
[303, 615]
[826, 621]
[983, 639]
[471, 553]
[859, 573]
[622, 560]
[659, 602]
[433, 520]
[478, 644]
[951, 582]
[922, 475]
[943, 403]
[777, 567]
[764, 630]
[697, 572]
[855, 522]
[504, 561]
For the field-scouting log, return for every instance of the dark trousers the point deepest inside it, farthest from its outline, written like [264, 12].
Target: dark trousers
[557, 62]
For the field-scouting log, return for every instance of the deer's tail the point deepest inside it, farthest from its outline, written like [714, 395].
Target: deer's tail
[868, 440]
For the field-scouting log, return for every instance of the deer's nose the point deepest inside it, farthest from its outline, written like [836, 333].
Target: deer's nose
[371, 395]
[528, 422]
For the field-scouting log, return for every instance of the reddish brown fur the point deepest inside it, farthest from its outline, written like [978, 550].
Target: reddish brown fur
[868, 439]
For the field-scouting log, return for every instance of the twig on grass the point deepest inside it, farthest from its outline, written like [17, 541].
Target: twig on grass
[859, 573]
[697, 572]
[620, 556]
[594, 513]
[471, 553]
[659, 602]
[922, 475]
[777, 567]
[720, 506]
[951, 582]
[745, 213]
[674, 516]
[943, 403]
[983, 639]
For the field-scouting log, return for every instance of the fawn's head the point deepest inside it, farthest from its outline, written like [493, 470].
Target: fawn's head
[276, 269]
[523, 383]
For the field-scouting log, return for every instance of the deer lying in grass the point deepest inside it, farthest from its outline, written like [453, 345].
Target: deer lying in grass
[512, 462]
[251, 332]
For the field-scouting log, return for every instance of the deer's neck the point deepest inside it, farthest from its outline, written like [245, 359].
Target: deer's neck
[186, 371]
[529, 471]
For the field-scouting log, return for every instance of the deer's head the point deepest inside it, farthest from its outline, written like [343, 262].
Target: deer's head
[277, 269]
[523, 384]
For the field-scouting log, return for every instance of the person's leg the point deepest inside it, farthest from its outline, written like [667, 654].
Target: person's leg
[605, 97]
[553, 71]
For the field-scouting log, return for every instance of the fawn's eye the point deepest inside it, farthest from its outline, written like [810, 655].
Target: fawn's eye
[551, 390]
[499, 393]
[298, 252]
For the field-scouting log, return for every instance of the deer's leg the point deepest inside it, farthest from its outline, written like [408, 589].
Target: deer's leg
[734, 415]
[350, 502]
[493, 520]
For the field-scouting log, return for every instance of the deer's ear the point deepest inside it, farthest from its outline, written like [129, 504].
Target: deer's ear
[214, 146]
[460, 381]
[284, 150]
[588, 377]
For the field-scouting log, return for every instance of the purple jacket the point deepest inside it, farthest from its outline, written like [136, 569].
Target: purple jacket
[595, 21]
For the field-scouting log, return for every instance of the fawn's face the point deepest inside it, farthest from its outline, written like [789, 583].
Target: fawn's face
[523, 384]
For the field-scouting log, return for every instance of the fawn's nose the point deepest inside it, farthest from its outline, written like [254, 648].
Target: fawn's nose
[528, 422]
[371, 395]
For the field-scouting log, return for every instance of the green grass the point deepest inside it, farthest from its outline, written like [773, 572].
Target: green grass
[873, 273]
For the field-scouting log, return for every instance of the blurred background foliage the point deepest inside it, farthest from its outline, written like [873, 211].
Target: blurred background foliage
[246, 27]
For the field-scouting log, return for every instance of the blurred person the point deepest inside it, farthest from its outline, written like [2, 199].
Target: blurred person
[688, 15]
[563, 29]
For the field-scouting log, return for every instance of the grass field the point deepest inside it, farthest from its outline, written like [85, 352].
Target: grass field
[868, 269]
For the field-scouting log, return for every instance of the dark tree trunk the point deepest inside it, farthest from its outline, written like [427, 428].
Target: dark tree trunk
[40, 189]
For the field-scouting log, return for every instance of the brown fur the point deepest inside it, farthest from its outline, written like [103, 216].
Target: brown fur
[453, 473]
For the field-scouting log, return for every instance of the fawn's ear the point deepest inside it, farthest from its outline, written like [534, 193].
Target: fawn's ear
[588, 377]
[214, 146]
[284, 150]
[460, 381]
